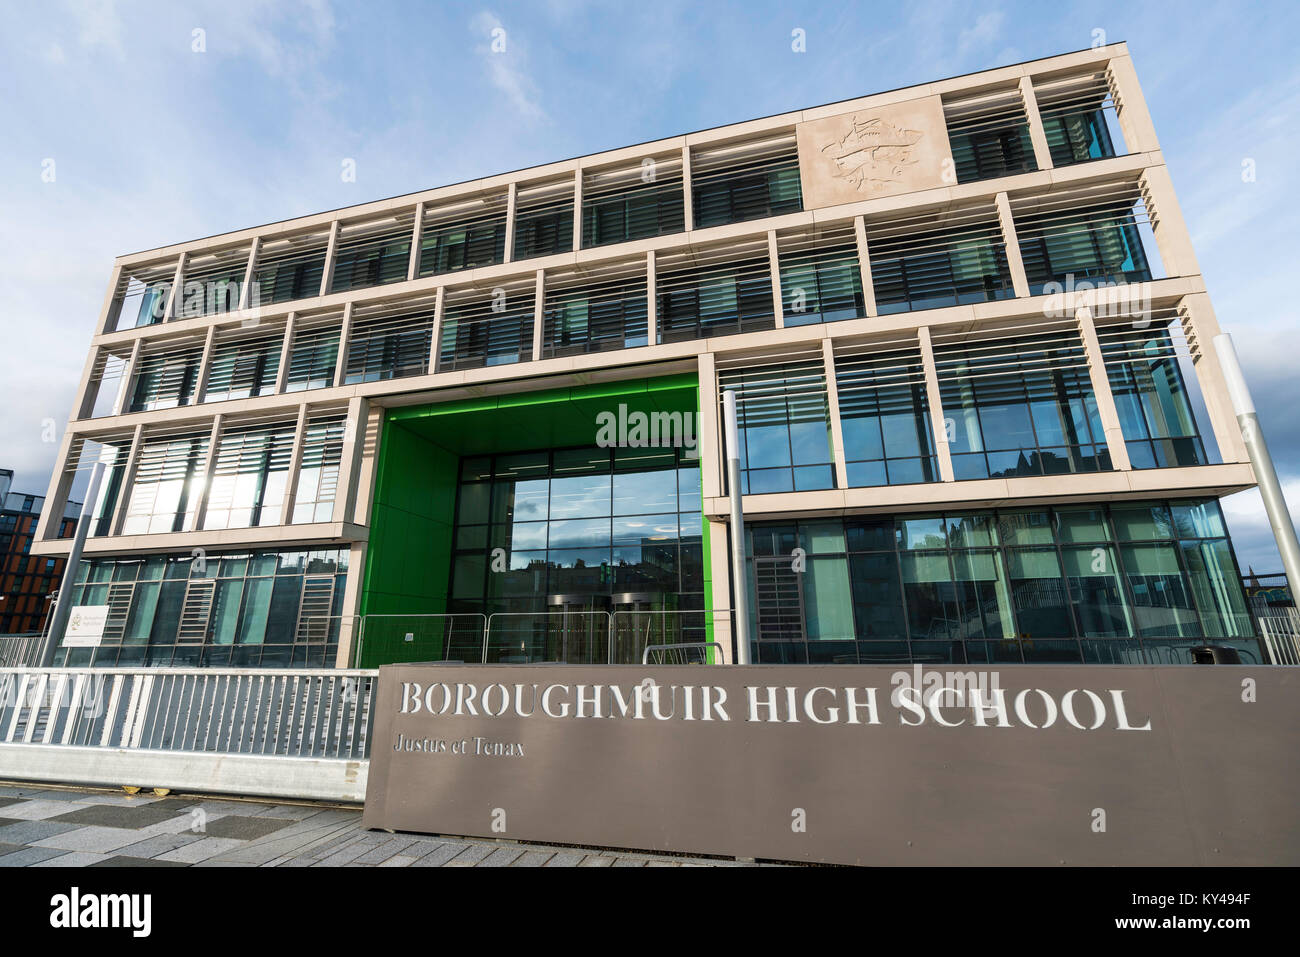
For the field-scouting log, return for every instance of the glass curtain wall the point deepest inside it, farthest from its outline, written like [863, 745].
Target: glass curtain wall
[1126, 583]
[233, 609]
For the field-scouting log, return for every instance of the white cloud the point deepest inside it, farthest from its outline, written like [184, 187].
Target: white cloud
[505, 64]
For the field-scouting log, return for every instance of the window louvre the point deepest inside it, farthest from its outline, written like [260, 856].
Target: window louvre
[388, 345]
[469, 235]
[318, 471]
[248, 476]
[140, 298]
[373, 254]
[1077, 113]
[213, 283]
[1019, 404]
[1086, 234]
[166, 376]
[1144, 359]
[244, 366]
[632, 202]
[164, 492]
[586, 314]
[821, 276]
[289, 269]
[931, 261]
[313, 357]
[783, 418]
[544, 220]
[723, 293]
[989, 135]
[885, 417]
[487, 328]
[753, 180]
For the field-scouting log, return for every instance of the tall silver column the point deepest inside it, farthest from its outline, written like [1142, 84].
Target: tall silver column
[1270, 489]
[740, 581]
[63, 604]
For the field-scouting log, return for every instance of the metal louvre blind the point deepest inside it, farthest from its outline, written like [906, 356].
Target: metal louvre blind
[927, 262]
[106, 377]
[989, 135]
[1020, 403]
[244, 367]
[1074, 114]
[885, 414]
[1087, 233]
[290, 269]
[312, 358]
[373, 254]
[141, 295]
[1149, 338]
[212, 283]
[161, 494]
[722, 294]
[318, 472]
[594, 317]
[783, 416]
[119, 599]
[778, 599]
[633, 202]
[1052, 347]
[880, 382]
[248, 475]
[751, 180]
[544, 220]
[315, 608]
[196, 611]
[390, 346]
[166, 377]
[467, 236]
[821, 276]
[485, 329]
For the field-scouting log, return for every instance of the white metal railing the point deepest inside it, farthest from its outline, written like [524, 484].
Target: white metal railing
[320, 713]
[1279, 626]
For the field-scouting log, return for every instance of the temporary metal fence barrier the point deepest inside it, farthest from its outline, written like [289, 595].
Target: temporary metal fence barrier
[452, 636]
[683, 653]
[570, 637]
[631, 632]
[20, 651]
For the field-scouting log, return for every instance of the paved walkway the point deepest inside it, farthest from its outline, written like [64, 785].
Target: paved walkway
[44, 826]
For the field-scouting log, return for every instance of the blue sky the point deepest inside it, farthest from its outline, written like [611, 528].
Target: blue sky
[154, 142]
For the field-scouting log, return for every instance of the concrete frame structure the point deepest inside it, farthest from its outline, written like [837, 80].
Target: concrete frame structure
[1140, 168]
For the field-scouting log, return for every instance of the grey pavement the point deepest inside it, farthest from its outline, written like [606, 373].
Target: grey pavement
[43, 826]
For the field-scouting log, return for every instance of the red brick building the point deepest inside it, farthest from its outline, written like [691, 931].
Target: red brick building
[26, 580]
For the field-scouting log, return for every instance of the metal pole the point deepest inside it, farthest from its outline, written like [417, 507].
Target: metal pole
[1270, 489]
[741, 613]
[63, 604]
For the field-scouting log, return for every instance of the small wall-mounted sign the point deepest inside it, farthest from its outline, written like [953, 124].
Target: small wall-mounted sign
[85, 626]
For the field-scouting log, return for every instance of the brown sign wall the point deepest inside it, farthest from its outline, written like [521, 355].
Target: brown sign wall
[849, 764]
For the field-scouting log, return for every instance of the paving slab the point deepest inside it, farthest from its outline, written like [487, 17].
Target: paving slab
[244, 828]
[74, 859]
[200, 850]
[440, 855]
[124, 861]
[565, 859]
[30, 855]
[36, 810]
[29, 832]
[91, 838]
[114, 815]
[158, 844]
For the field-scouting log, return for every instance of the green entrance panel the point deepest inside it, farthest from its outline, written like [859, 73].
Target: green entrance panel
[413, 515]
